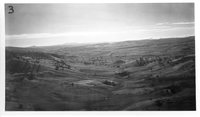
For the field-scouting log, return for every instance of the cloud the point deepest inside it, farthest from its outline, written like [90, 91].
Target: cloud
[183, 23]
[162, 26]
[153, 29]
[125, 33]
[174, 23]
[51, 35]
[162, 23]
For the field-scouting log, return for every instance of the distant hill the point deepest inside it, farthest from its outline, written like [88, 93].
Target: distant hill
[167, 46]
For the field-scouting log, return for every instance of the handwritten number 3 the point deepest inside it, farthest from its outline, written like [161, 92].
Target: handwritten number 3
[11, 10]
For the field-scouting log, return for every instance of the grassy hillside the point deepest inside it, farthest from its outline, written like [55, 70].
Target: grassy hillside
[132, 75]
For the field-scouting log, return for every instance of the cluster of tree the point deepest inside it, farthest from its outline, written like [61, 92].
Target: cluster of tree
[61, 65]
[149, 59]
[95, 61]
[123, 73]
[112, 83]
[118, 63]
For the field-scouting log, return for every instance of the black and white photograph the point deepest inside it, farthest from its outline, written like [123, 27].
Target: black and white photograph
[100, 57]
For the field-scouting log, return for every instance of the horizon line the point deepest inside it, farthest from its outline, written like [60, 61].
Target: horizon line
[93, 43]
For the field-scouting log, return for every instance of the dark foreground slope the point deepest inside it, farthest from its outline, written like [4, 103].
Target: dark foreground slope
[132, 75]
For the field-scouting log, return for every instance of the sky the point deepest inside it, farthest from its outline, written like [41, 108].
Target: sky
[53, 24]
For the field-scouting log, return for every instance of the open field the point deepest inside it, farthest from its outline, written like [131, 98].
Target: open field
[130, 75]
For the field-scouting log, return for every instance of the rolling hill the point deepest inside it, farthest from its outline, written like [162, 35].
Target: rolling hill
[131, 75]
